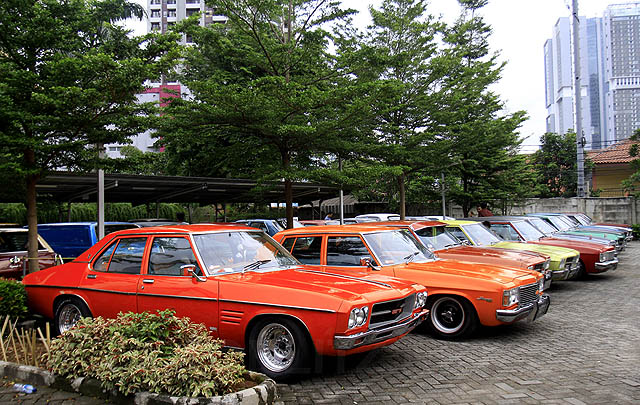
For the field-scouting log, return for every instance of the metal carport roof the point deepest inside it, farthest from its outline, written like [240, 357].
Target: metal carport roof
[137, 189]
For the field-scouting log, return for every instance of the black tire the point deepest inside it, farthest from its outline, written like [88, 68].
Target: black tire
[582, 273]
[67, 312]
[452, 317]
[279, 348]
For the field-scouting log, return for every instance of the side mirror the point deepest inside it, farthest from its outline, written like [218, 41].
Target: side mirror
[190, 270]
[366, 261]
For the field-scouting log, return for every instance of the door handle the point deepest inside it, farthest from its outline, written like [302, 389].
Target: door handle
[148, 281]
[92, 276]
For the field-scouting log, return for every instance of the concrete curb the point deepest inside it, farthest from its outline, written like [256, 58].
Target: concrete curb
[263, 393]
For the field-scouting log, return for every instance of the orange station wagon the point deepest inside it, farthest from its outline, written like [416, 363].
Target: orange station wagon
[234, 279]
[462, 295]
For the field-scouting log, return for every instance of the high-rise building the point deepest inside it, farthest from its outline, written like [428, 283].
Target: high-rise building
[609, 72]
[164, 13]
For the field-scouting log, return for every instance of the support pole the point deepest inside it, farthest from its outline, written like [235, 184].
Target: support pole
[100, 225]
[341, 193]
[444, 207]
[577, 96]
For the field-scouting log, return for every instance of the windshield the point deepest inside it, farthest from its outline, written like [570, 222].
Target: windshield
[528, 231]
[559, 223]
[397, 246]
[437, 238]
[542, 225]
[480, 235]
[233, 251]
[581, 220]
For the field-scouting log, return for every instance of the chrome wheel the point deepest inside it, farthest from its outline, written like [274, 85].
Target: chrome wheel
[447, 315]
[68, 315]
[276, 347]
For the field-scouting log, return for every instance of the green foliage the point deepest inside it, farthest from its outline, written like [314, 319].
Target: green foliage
[631, 184]
[635, 229]
[480, 140]
[556, 167]
[134, 161]
[13, 299]
[80, 212]
[159, 353]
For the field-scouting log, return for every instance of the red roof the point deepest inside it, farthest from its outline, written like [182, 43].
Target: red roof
[617, 153]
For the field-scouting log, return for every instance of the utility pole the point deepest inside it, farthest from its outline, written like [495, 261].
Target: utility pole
[444, 204]
[577, 95]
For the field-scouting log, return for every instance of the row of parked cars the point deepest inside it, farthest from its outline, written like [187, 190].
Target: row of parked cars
[325, 289]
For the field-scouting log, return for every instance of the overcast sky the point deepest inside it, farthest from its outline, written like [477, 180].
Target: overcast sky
[520, 29]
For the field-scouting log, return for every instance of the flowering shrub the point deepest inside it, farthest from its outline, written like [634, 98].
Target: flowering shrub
[159, 353]
[13, 298]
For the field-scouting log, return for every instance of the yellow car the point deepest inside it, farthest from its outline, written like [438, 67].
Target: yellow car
[564, 261]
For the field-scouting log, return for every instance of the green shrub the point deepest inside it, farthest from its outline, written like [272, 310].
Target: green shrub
[13, 299]
[159, 353]
[635, 230]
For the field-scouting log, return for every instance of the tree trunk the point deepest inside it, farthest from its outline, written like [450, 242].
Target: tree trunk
[288, 188]
[32, 216]
[402, 196]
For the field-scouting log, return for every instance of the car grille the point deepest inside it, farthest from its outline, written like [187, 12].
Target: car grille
[387, 312]
[528, 294]
[571, 261]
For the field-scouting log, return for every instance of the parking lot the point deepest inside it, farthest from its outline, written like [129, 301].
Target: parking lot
[586, 350]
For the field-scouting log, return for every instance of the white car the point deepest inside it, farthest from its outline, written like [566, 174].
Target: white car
[377, 217]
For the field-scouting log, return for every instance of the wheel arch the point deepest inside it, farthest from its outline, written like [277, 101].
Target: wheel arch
[251, 324]
[62, 297]
[457, 294]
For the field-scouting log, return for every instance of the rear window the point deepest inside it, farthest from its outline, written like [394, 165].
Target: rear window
[14, 242]
[117, 227]
[71, 235]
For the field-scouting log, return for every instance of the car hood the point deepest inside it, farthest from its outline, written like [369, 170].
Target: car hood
[475, 270]
[354, 287]
[581, 246]
[507, 256]
[556, 253]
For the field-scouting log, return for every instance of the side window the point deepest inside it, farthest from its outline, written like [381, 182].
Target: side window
[168, 255]
[505, 231]
[127, 257]
[288, 243]
[457, 232]
[346, 251]
[259, 225]
[307, 250]
[102, 262]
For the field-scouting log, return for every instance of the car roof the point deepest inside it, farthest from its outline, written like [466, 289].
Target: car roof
[194, 228]
[351, 228]
[458, 222]
[509, 218]
[85, 223]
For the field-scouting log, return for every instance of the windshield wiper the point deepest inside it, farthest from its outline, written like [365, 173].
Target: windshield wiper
[255, 265]
[408, 259]
[449, 245]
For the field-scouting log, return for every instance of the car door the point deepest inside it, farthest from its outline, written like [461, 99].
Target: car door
[111, 281]
[165, 285]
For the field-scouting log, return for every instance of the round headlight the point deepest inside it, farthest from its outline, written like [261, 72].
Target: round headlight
[360, 317]
[541, 285]
[421, 299]
[365, 315]
[547, 263]
[603, 257]
[510, 297]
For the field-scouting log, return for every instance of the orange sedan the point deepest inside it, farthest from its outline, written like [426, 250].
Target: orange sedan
[462, 295]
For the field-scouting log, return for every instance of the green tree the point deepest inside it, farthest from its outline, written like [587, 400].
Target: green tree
[265, 92]
[631, 184]
[482, 141]
[68, 79]
[402, 47]
[555, 165]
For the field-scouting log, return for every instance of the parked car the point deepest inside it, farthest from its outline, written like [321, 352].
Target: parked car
[269, 226]
[377, 217]
[319, 222]
[585, 219]
[461, 295]
[70, 239]
[13, 253]
[245, 288]
[565, 226]
[435, 237]
[548, 230]
[594, 258]
[582, 221]
[146, 222]
[564, 261]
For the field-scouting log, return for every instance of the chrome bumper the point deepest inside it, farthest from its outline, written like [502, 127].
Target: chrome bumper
[605, 266]
[532, 311]
[559, 274]
[379, 335]
[573, 271]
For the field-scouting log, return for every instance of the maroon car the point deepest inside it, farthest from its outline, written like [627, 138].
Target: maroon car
[13, 253]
